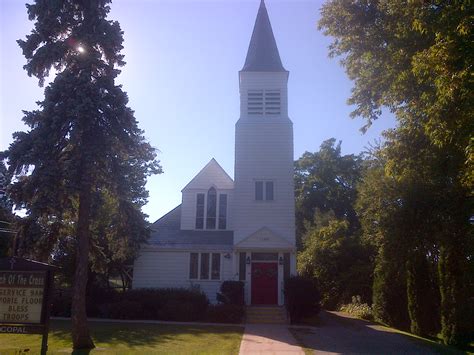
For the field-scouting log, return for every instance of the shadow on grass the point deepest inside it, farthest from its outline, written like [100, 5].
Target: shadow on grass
[136, 334]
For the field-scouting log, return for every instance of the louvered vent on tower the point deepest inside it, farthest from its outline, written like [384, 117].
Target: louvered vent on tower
[264, 102]
[255, 102]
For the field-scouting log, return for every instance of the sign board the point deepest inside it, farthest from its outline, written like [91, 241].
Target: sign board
[25, 297]
[22, 296]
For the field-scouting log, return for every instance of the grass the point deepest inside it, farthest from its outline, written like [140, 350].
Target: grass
[127, 338]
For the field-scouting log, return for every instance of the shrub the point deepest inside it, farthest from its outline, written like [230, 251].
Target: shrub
[358, 309]
[225, 313]
[151, 301]
[179, 311]
[231, 292]
[97, 296]
[302, 298]
[174, 304]
[61, 303]
[121, 310]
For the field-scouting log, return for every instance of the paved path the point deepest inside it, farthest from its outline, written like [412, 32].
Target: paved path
[339, 333]
[268, 339]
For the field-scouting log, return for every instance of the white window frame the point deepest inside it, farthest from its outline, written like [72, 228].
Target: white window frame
[264, 195]
[218, 202]
[210, 265]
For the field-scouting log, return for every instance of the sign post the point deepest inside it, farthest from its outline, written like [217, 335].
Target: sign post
[25, 297]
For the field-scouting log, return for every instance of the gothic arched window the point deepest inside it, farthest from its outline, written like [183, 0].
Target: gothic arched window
[211, 211]
[211, 208]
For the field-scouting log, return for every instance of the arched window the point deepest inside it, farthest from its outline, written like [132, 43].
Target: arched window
[211, 208]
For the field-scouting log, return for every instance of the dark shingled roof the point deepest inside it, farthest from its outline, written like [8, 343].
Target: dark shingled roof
[166, 232]
[263, 51]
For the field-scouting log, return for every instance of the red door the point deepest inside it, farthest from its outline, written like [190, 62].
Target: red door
[264, 283]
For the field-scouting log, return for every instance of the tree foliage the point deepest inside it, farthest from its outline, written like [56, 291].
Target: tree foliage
[410, 210]
[415, 58]
[337, 259]
[7, 218]
[328, 229]
[84, 148]
[326, 181]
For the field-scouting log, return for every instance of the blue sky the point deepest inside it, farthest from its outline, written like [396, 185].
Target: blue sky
[183, 58]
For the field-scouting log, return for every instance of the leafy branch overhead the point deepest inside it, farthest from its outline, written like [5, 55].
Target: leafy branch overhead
[414, 57]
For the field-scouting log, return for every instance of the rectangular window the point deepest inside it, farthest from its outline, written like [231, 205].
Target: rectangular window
[222, 211]
[193, 265]
[242, 266]
[265, 256]
[259, 190]
[200, 211]
[264, 190]
[204, 266]
[269, 190]
[216, 267]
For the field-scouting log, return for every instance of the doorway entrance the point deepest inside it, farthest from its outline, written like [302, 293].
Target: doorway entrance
[264, 283]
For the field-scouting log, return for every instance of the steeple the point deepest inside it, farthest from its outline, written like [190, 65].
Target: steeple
[263, 53]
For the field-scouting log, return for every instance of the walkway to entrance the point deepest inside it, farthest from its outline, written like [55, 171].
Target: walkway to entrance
[268, 339]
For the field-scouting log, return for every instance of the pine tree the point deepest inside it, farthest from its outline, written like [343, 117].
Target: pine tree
[83, 139]
[7, 218]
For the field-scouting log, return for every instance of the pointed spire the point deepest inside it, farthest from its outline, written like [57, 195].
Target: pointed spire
[263, 51]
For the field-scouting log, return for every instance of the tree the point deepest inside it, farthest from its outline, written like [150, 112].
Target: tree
[338, 260]
[416, 59]
[328, 228]
[83, 139]
[7, 218]
[402, 205]
[326, 181]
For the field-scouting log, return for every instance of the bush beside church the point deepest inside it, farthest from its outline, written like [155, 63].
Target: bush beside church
[167, 304]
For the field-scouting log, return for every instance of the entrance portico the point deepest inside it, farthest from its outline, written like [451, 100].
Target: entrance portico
[263, 260]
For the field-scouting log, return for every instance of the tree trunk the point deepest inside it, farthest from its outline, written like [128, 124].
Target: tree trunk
[81, 338]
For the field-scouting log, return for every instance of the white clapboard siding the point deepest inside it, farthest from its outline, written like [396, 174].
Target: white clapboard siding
[263, 81]
[264, 151]
[212, 175]
[163, 269]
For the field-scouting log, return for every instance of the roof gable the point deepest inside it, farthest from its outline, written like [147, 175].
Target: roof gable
[211, 175]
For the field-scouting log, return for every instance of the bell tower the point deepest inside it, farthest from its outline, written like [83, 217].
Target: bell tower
[264, 189]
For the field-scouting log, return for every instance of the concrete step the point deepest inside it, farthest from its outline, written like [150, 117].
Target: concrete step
[265, 314]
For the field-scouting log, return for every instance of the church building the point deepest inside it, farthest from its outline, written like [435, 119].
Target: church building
[241, 229]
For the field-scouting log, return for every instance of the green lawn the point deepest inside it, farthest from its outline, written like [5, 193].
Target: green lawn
[122, 338]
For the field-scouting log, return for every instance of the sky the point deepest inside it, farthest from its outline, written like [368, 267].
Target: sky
[181, 76]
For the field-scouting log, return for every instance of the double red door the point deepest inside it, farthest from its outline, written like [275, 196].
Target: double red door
[264, 283]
